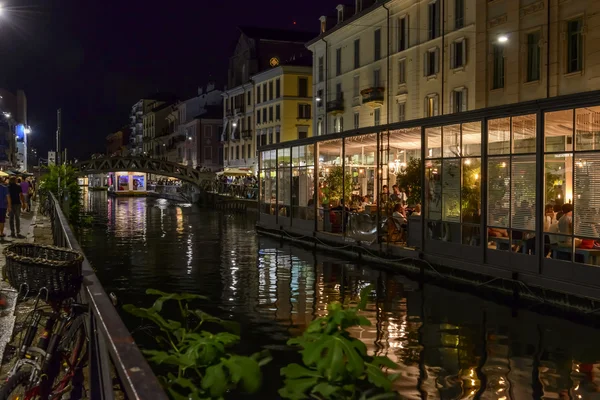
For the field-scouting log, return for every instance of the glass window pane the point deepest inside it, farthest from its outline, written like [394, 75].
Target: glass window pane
[587, 195]
[587, 130]
[433, 196]
[523, 129]
[558, 131]
[310, 154]
[471, 139]
[499, 136]
[471, 190]
[498, 191]
[451, 190]
[558, 187]
[523, 173]
[451, 136]
[433, 140]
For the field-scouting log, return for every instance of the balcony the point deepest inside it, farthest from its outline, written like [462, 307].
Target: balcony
[336, 106]
[247, 134]
[238, 110]
[373, 96]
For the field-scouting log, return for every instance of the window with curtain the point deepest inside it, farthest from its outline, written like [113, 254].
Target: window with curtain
[511, 184]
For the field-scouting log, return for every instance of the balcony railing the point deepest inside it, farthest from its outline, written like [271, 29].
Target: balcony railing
[373, 96]
[336, 106]
[247, 134]
[111, 347]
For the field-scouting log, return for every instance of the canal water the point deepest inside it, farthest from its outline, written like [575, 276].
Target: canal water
[450, 345]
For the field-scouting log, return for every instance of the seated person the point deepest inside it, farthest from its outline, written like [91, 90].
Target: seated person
[399, 216]
[417, 211]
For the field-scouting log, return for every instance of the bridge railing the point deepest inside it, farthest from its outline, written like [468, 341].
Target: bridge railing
[111, 346]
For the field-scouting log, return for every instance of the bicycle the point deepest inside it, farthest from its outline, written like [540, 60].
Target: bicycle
[47, 369]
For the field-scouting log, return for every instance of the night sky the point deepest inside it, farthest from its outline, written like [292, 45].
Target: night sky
[94, 59]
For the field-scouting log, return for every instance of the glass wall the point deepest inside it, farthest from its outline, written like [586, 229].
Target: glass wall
[512, 184]
[303, 182]
[360, 166]
[453, 183]
[268, 182]
[572, 185]
[331, 189]
[284, 177]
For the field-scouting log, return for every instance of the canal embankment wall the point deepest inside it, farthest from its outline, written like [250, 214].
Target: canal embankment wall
[518, 289]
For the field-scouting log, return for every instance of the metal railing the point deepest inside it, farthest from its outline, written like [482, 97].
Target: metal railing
[239, 191]
[110, 343]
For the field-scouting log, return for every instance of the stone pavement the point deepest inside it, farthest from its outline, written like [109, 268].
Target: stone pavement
[7, 315]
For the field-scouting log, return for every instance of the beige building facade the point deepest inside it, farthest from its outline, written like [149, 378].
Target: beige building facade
[380, 62]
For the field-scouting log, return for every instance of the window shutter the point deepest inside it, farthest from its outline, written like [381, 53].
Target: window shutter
[437, 60]
[425, 63]
[452, 52]
[435, 105]
[464, 100]
[407, 43]
[464, 52]
[452, 94]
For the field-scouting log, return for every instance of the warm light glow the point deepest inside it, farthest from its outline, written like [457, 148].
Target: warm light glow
[318, 99]
[502, 39]
[467, 161]
[476, 176]
[360, 171]
[190, 138]
[503, 165]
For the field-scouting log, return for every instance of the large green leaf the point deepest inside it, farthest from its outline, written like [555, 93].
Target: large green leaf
[158, 303]
[153, 315]
[327, 390]
[364, 297]
[333, 355]
[170, 358]
[230, 326]
[296, 389]
[215, 380]
[377, 377]
[245, 372]
[295, 371]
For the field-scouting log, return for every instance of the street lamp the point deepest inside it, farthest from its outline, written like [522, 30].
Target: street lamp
[27, 130]
[7, 114]
[502, 39]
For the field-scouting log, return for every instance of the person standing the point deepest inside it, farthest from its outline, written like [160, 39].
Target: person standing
[16, 202]
[25, 189]
[3, 206]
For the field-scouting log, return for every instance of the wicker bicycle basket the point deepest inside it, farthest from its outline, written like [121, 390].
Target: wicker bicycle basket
[32, 267]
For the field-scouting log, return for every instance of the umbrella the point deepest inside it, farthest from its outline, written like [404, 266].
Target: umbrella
[234, 172]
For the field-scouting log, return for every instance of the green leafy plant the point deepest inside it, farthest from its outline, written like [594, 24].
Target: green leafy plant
[338, 184]
[410, 181]
[199, 362]
[336, 365]
[61, 180]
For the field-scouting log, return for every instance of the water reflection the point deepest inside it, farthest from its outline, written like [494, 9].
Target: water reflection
[449, 345]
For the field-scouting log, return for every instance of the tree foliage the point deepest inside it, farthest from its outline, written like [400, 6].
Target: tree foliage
[61, 180]
[339, 186]
[410, 181]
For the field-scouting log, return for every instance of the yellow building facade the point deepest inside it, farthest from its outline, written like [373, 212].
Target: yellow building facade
[283, 104]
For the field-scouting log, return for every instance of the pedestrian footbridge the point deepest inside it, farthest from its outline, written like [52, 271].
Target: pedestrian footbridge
[147, 165]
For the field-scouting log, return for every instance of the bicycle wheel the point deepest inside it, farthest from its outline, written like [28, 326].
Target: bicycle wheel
[17, 387]
[68, 360]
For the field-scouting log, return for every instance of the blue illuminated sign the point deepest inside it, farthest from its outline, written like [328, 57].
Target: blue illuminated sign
[20, 132]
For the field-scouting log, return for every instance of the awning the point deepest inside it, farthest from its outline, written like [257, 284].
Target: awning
[234, 172]
[2, 173]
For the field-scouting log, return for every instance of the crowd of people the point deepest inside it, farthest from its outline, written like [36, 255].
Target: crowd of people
[16, 195]
[245, 187]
